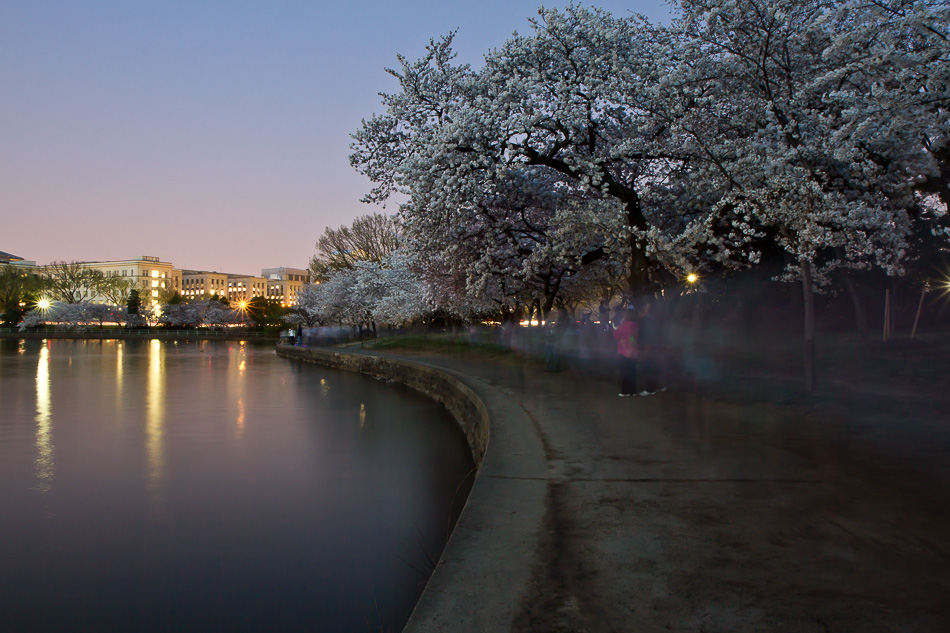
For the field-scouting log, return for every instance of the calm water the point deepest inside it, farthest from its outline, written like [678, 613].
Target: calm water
[161, 486]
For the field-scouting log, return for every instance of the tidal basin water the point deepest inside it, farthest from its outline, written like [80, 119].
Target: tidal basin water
[198, 486]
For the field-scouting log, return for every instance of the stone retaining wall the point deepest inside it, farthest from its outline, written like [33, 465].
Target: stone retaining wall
[463, 404]
[486, 569]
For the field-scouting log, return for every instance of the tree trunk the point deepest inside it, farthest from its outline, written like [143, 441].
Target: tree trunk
[808, 302]
[860, 315]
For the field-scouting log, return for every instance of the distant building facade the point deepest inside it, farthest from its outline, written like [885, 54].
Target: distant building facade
[283, 284]
[203, 284]
[158, 281]
[155, 280]
[245, 288]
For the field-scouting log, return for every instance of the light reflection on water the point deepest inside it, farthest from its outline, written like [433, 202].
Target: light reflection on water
[155, 420]
[119, 351]
[45, 466]
[155, 486]
[237, 386]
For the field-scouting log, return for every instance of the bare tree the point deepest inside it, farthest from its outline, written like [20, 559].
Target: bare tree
[115, 289]
[73, 282]
[371, 238]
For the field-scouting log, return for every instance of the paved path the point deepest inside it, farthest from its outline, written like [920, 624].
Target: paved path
[677, 512]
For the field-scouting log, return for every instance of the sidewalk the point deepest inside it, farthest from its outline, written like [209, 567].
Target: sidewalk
[679, 512]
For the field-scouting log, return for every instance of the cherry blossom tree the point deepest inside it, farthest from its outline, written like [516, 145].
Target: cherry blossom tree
[77, 316]
[816, 129]
[575, 101]
[305, 310]
[34, 318]
[809, 127]
[391, 291]
[209, 312]
[395, 290]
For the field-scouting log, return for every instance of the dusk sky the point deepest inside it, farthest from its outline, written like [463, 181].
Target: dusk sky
[214, 135]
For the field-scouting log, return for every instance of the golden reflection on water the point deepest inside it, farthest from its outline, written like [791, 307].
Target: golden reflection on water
[155, 419]
[238, 385]
[240, 418]
[362, 415]
[118, 371]
[45, 466]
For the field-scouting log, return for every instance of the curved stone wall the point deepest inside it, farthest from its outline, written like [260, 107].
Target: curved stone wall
[484, 574]
[463, 404]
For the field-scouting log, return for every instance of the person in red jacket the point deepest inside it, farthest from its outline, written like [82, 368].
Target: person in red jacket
[628, 352]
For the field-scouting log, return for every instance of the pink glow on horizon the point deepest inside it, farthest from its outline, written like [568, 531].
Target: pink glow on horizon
[214, 136]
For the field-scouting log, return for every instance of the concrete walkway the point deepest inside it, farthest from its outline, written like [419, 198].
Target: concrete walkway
[679, 512]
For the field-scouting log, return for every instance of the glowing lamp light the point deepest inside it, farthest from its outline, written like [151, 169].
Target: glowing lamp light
[692, 278]
[43, 304]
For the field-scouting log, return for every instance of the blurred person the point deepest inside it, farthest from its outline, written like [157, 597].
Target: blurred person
[628, 351]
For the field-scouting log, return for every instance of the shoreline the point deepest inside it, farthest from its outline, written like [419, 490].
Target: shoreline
[143, 335]
[499, 530]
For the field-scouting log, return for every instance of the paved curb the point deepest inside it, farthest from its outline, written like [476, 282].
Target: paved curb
[483, 574]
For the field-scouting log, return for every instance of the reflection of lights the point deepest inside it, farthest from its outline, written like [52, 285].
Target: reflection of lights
[362, 415]
[44, 424]
[237, 386]
[119, 349]
[155, 417]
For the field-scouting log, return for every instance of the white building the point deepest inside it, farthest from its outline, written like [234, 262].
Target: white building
[203, 284]
[155, 280]
[283, 284]
[245, 288]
